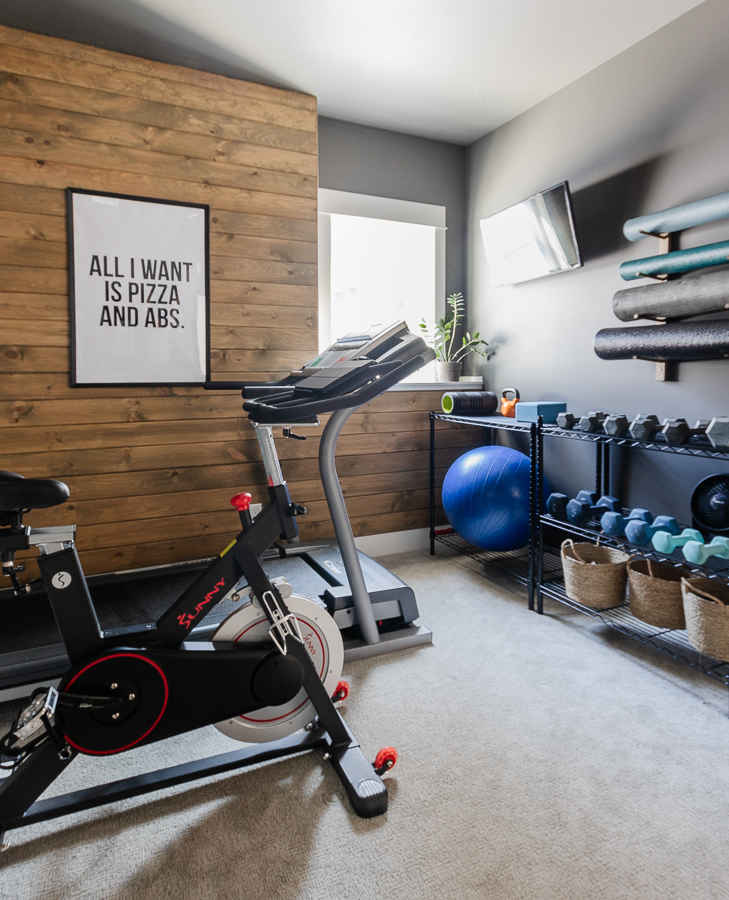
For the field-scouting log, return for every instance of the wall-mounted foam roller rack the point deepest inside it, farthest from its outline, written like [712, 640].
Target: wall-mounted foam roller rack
[672, 300]
[673, 642]
[518, 564]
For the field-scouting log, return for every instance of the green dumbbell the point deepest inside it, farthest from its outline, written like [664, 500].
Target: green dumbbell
[697, 553]
[664, 542]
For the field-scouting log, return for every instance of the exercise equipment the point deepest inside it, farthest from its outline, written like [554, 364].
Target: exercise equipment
[271, 668]
[470, 403]
[530, 411]
[616, 425]
[486, 497]
[614, 522]
[508, 404]
[582, 508]
[644, 427]
[677, 262]
[641, 532]
[665, 542]
[710, 503]
[703, 293]
[592, 422]
[567, 421]
[678, 431]
[698, 553]
[718, 432]
[680, 341]
[678, 218]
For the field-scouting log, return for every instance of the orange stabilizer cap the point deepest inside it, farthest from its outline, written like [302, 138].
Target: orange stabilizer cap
[241, 502]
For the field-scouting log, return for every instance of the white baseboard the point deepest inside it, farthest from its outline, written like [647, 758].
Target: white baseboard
[394, 542]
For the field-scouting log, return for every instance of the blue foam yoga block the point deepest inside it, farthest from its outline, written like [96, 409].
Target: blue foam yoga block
[528, 411]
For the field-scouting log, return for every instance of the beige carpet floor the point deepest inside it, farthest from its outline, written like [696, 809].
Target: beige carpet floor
[541, 758]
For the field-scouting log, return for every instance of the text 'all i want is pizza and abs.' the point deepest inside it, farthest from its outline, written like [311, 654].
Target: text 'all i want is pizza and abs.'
[153, 283]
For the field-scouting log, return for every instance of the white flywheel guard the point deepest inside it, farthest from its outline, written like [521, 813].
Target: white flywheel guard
[322, 638]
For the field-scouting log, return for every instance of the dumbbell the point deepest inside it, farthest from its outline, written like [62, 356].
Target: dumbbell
[581, 509]
[592, 422]
[616, 425]
[640, 532]
[643, 427]
[614, 523]
[677, 431]
[665, 542]
[567, 421]
[697, 553]
[718, 432]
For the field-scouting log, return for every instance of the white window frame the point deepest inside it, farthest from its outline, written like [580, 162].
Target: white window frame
[371, 207]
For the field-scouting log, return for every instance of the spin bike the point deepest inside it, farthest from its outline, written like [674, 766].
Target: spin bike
[276, 660]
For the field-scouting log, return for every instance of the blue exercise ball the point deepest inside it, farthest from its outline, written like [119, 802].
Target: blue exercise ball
[486, 497]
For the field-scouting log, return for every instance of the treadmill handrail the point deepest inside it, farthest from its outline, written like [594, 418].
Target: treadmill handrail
[264, 412]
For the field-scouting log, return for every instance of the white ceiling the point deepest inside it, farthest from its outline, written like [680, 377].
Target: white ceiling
[447, 69]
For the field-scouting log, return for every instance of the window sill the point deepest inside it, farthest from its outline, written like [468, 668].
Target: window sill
[438, 386]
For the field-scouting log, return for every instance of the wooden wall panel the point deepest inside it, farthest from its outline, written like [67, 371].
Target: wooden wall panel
[151, 470]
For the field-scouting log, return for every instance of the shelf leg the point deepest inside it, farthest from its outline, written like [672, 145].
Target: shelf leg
[432, 484]
[539, 463]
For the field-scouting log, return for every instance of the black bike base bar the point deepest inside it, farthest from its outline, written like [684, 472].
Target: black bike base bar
[100, 795]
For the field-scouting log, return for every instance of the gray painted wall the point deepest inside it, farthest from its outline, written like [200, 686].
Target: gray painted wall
[384, 163]
[647, 130]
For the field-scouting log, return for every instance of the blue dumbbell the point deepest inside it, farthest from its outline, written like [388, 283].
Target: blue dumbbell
[614, 523]
[586, 505]
[637, 531]
[697, 552]
[664, 542]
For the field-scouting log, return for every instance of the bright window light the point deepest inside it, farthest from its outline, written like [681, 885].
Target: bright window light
[381, 272]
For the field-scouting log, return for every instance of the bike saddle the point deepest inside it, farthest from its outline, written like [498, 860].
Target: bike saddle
[17, 492]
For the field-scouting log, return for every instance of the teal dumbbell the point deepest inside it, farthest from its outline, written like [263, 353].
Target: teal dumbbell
[697, 553]
[638, 531]
[615, 523]
[665, 542]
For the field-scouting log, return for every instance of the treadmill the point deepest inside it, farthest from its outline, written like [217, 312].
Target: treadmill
[376, 611]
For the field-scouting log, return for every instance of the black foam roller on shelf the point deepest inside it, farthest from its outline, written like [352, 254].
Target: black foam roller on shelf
[681, 341]
[470, 403]
[693, 296]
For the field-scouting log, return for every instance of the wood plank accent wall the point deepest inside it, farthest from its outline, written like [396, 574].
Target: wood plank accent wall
[150, 470]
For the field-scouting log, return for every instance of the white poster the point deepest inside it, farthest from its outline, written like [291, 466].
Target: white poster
[139, 290]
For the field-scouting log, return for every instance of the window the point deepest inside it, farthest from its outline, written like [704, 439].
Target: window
[380, 260]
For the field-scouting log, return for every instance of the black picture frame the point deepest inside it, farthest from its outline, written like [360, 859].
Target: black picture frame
[74, 380]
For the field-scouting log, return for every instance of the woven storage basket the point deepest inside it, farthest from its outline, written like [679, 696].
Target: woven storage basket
[655, 593]
[706, 607]
[594, 576]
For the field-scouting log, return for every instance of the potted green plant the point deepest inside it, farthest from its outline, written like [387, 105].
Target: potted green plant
[449, 354]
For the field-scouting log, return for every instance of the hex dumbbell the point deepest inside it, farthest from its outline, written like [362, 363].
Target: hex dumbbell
[718, 432]
[644, 427]
[640, 532]
[616, 425]
[698, 553]
[614, 523]
[567, 421]
[678, 431]
[592, 422]
[586, 505]
[665, 542]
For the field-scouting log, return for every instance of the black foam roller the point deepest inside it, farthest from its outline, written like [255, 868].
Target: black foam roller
[470, 403]
[675, 341]
[674, 299]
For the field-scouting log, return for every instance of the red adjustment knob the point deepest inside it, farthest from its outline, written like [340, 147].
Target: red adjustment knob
[241, 502]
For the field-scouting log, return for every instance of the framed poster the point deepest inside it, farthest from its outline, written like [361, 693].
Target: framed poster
[139, 290]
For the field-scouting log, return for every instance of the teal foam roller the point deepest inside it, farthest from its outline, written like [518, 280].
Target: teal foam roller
[676, 262]
[678, 218]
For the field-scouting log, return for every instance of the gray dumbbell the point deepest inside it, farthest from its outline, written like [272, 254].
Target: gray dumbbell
[616, 425]
[678, 431]
[566, 420]
[644, 427]
[718, 432]
[592, 422]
